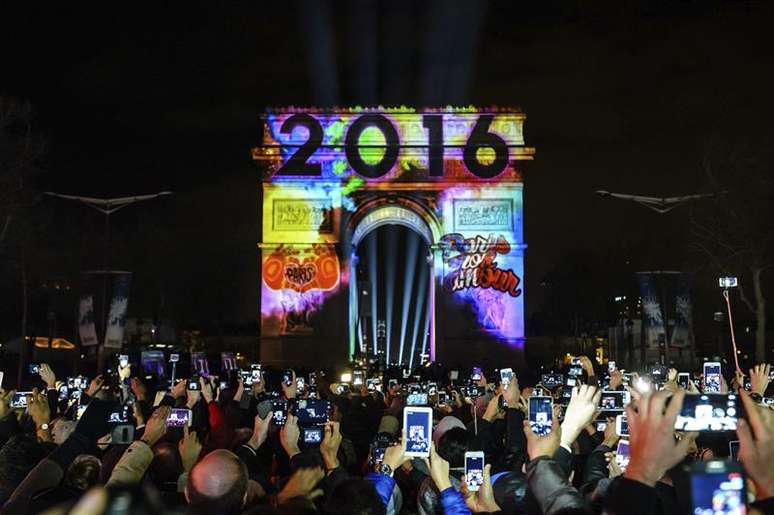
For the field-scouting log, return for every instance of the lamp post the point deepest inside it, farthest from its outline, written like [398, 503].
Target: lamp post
[106, 206]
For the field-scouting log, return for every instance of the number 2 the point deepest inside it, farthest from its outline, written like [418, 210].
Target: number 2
[296, 164]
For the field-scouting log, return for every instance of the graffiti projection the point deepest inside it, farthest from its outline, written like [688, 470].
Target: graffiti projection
[474, 265]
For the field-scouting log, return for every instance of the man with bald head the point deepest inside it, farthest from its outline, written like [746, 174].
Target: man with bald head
[217, 484]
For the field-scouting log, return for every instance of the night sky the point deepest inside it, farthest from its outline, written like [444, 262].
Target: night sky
[619, 96]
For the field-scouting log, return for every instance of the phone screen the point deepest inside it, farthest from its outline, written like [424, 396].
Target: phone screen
[416, 399]
[541, 415]
[506, 376]
[300, 384]
[610, 366]
[709, 412]
[179, 418]
[313, 435]
[123, 360]
[474, 470]
[287, 377]
[418, 423]
[119, 415]
[551, 380]
[357, 378]
[720, 492]
[613, 400]
[622, 454]
[313, 412]
[280, 412]
[476, 375]
[20, 400]
[194, 386]
[575, 371]
[622, 425]
[712, 378]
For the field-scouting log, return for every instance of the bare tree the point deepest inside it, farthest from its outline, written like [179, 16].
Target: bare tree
[20, 152]
[735, 231]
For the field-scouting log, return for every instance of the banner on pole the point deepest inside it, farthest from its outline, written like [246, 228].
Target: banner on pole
[114, 334]
[653, 319]
[681, 332]
[227, 361]
[86, 329]
[199, 364]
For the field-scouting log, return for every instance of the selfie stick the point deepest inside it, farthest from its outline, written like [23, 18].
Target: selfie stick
[731, 324]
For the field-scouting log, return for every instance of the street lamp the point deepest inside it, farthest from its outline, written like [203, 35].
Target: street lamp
[106, 206]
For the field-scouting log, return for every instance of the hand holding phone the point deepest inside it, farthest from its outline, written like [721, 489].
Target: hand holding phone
[474, 470]
[541, 414]
[418, 424]
[712, 377]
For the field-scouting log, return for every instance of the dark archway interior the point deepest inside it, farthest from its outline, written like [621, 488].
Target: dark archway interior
[393, 275]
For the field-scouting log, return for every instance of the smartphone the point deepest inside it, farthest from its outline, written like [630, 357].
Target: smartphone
[474, 470]
[247, 377]
[370, 386]
[1, 378]
[342, 389]
[614, 400]
[718, 487]
[223, 385]
[312, 378]
[377, 454]
[312, 412]
[313, 435]
[194, 385]
[174, 357]
[416, 399]
[621, 425]
[392, 383]
[733, 450]
[709, 412]
[64, 393]
[123, 360]
[552, 380]
[34, 368]
[287, 377]
[712, 377]
[541, 414]
[357, 378]
[575, 361]
[19, 400]
[418, 424]
[300, 384]
[280, 412]
[683, 380]
[179, 417]
[454, 375]
[432, 389]
[601, 426]
[622, 454]
[476, 375]
[506, 375]
[610, 366]
[79, 412]
[119, 415]
[443, 398]
[575, 371]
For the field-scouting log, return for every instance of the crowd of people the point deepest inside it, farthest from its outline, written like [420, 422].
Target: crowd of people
[262, 441]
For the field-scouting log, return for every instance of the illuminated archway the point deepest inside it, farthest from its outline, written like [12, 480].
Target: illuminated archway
[370, 218]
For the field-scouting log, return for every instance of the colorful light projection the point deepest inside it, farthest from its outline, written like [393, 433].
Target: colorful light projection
[384, 144]
[482, 260]
[322, 167]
